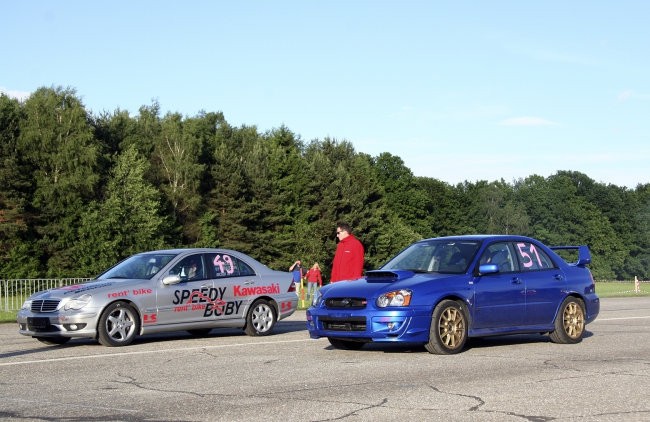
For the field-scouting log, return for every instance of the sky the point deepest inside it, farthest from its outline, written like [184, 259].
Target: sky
[459, 90]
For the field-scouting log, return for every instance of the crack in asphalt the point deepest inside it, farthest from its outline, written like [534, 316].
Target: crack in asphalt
[481, 402]
[553, 363]
[354, 412]
[478, 408]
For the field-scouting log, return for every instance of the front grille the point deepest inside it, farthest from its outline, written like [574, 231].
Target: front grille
[346, 303]
[344, 324]
[47, 305]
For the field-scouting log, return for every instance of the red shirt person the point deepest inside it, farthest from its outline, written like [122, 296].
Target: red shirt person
[348, 259]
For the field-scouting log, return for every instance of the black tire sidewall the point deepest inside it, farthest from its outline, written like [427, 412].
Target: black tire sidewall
[104, 337]
[250, 327]
[559, 335]
[435, 344]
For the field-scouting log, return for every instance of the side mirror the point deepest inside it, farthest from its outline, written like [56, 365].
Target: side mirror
[171, 279]
[488, 269]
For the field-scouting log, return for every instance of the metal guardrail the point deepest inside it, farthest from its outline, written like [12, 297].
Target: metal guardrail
[14, 292]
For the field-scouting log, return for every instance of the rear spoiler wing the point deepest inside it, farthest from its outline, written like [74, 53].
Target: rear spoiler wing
[584, 255]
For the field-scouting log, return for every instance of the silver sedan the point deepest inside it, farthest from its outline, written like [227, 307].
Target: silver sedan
[194, 290]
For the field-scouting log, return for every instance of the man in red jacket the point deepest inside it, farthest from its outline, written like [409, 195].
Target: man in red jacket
[348, 259]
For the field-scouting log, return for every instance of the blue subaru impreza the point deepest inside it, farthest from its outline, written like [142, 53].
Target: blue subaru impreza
[440, 292]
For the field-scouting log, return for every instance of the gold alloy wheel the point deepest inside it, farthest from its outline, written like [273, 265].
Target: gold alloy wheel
[452, 327]
[574, 320]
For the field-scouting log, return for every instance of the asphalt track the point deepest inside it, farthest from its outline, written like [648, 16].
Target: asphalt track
[228, 376]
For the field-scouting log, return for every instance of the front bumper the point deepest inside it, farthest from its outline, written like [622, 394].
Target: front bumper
[391, 325]
[57, 324]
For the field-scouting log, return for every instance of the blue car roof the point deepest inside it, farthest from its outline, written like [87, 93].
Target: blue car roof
[480, 237]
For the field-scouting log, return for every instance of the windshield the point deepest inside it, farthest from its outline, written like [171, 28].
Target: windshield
[441, 256]
[143, 266]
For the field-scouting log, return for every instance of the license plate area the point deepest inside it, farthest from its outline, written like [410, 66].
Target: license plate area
[39, 324]
[344, 324]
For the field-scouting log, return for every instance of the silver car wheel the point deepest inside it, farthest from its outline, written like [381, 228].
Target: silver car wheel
[261, 319]
[118, 325]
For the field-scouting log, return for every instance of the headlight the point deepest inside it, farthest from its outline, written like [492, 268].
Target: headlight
[27, 305]
[396, 298]
[77, 302]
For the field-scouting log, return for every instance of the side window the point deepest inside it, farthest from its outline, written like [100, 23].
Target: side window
[533, 258]
[190, 268]
[225, 265]
[500, 255]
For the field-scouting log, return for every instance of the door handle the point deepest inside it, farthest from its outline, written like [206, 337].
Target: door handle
[516, 280]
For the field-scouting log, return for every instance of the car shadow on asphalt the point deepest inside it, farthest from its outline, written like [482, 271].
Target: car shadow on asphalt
[280, 328]
[472, 344]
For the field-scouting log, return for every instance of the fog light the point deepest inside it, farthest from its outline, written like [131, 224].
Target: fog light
[391, 326]
[73, 327]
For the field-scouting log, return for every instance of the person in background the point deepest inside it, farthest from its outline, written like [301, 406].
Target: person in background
[296, 270]
[348, 258]
[314, 279]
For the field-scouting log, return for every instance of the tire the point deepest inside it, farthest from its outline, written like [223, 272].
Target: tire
[569, 322]
[261, 318]
[53, 341]
[199, 332]
[346, 344]
[448, 332]
[118, 325]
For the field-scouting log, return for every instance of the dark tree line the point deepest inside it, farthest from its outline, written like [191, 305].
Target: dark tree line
[79, 192]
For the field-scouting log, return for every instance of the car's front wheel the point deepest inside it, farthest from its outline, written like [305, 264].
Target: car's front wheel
[570, 322]
[53, 341]
[118, 325]
[345, 344]
[261, 318]
[448, 332]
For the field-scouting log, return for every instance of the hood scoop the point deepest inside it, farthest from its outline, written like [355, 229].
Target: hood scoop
[383, 276]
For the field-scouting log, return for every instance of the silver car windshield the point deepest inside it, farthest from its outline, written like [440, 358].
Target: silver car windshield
[439, 256]
[143, 266]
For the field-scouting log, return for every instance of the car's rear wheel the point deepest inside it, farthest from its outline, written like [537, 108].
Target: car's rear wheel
[261, 318]
[570, 322]
[448, 332]
[53, 341]
[346, 344]
[118, 325]
[200, 332]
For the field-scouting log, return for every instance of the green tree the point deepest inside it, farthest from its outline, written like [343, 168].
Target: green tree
[498, 212]
[229, 202]
[177, 154]
[560, 216]
[56, 140]
[127, 222]
[17, 249]
[275, 170]
[403, 196]
[446, 216]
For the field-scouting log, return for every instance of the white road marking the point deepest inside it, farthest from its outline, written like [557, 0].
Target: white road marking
[617, 319]
[145, 352]
[51, 403]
